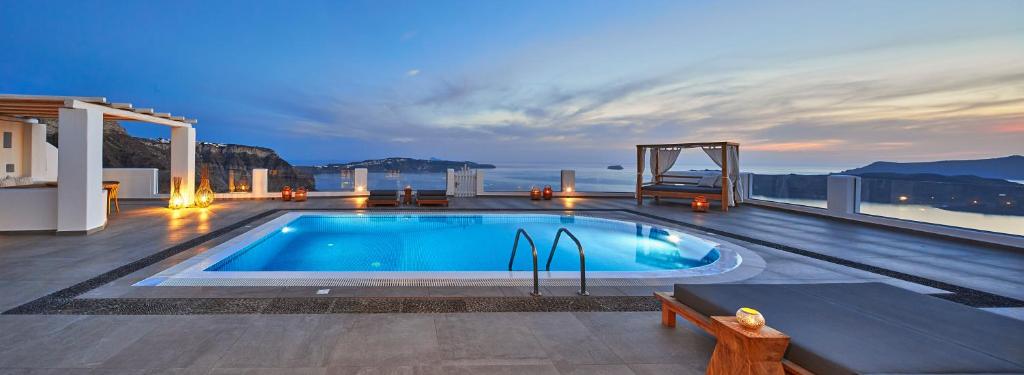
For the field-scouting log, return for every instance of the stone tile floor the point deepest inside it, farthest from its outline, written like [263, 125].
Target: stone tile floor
[32, 266]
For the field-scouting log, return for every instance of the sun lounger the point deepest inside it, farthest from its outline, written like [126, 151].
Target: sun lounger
[382, 198]
[431, 197]
[867, 328]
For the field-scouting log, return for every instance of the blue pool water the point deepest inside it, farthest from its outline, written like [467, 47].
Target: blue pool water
[472, 242]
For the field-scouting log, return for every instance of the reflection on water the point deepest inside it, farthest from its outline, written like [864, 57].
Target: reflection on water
[923, 213]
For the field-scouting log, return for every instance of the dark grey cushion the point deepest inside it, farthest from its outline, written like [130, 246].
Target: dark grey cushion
[431, 193]
[871, 327]
[683, 188]
[384, 194]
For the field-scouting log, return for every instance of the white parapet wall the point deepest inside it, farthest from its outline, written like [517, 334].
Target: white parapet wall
[136, 183]
[28, 209]
[450, 182]
[843, 193]
[259, 182]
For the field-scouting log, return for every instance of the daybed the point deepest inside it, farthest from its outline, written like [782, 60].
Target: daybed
[382, 198]
[431, 197]
[722, 187]
[867, 328]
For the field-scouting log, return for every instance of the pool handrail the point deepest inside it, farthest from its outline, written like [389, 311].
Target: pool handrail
[515, 245]
[583, 260]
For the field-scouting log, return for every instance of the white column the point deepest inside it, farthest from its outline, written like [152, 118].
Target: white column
[81, 201]
[183, 160]
[568, 181]
[359, 180]
[843, 194]
[259, 182]
[479, 182]
[36, 135]
[450, 182]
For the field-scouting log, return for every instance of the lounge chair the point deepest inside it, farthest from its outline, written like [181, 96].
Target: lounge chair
[382, 198]
[431, 197]
[867, 328]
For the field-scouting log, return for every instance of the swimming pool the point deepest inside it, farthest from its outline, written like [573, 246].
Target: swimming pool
[316, 246]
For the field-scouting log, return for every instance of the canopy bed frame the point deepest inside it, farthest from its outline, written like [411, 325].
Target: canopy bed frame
[664, 184]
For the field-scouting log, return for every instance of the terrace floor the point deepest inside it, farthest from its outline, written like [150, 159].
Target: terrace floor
[796, 248]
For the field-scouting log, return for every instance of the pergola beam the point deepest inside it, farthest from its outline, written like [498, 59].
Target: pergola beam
[128, 115]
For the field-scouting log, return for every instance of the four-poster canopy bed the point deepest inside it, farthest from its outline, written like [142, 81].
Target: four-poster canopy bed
[724, 188]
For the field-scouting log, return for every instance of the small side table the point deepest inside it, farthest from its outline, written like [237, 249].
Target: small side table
[741, 351]
[407, 199]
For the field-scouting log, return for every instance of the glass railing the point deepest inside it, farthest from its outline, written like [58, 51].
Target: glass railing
[604, 180]
[399, 180]
[343, 180]
[521, 178]
[803, 190]
[976, 203]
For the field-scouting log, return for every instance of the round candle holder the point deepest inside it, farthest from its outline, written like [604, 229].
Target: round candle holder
[749, 318]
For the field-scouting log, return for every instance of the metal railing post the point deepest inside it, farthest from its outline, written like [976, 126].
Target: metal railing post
[511, 259]
[583, 259]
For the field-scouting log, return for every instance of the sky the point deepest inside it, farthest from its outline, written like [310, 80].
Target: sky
[797, 83]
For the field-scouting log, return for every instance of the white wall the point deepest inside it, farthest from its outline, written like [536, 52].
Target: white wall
[25, 209]
[135, 182]
[51, 164]
[16, 154]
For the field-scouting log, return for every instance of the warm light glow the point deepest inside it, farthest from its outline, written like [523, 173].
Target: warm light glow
[568, 190]
[360, 188]
[177, 200]
[903, 198]
[674, 238]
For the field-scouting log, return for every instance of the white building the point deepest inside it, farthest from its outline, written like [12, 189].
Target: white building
[34, 196]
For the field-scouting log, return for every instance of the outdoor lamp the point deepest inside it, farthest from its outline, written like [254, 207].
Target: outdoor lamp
[176, 200]
[700, 204]
[534, 193]
[204, 194]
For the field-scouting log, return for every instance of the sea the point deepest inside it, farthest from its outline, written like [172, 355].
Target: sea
[512, 177]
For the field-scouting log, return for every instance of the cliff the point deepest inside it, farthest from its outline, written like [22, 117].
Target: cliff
[1008, 168]
[121, 150]
[405, 165]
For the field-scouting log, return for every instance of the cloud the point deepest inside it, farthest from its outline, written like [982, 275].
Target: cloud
[813, 145]
[834, 108]
[412, 72]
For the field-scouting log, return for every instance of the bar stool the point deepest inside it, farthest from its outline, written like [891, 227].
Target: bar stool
[111, 187]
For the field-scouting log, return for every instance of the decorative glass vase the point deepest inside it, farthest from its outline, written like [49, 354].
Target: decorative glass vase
[204, 194]
[176, 200]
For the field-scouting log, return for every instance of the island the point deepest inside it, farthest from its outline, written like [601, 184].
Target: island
[397, 164]
[616, 167]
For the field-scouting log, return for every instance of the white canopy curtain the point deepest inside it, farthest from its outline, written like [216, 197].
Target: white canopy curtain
[663, 158]
[735, 183]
